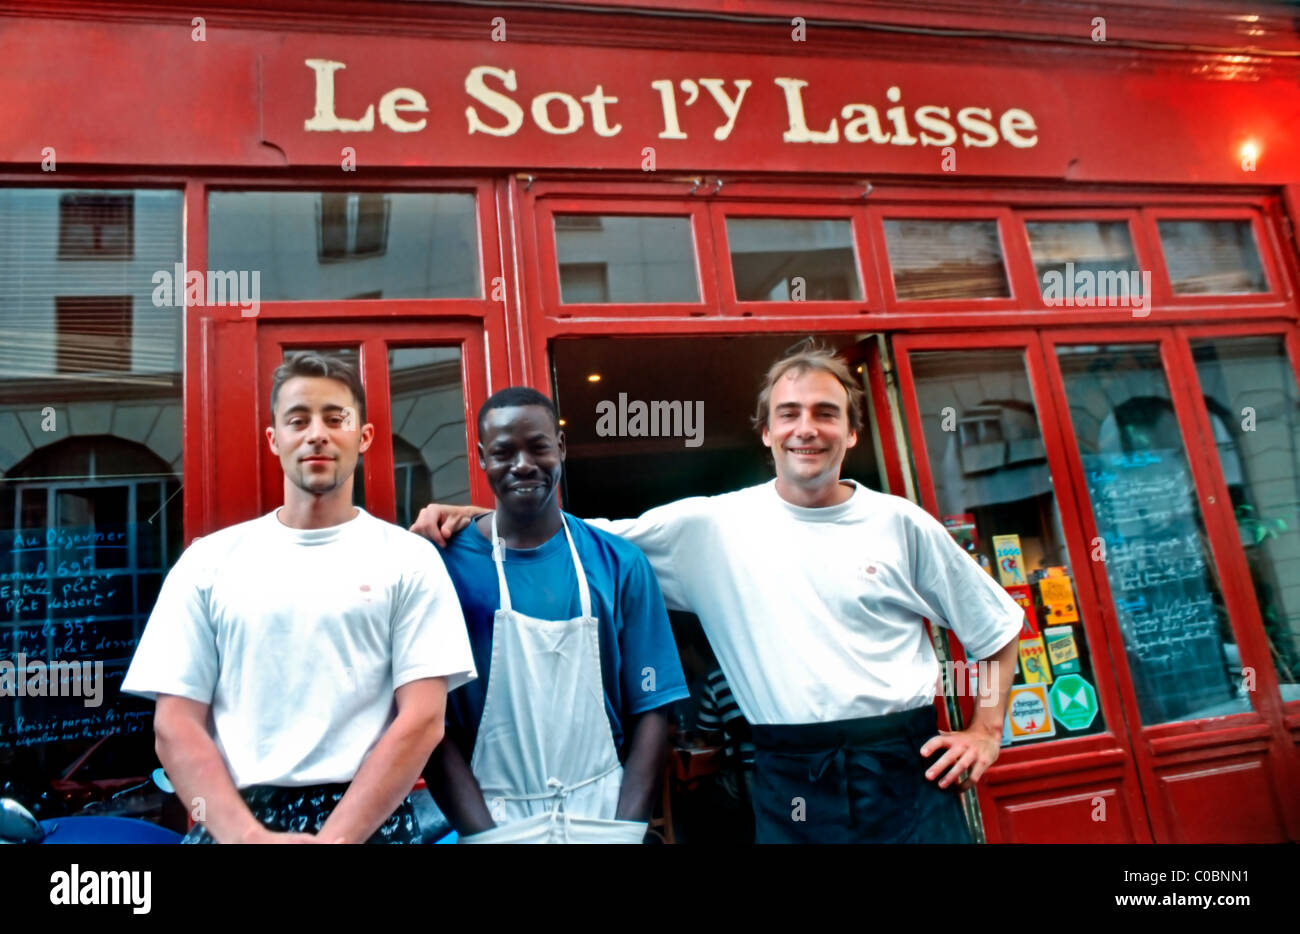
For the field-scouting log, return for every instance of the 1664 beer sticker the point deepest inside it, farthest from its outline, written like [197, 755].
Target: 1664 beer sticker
[1062, 650]
[1027, 713]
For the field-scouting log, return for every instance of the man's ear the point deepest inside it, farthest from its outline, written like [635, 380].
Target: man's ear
[367, 438]
[482, 456]
[767, 437]
[559, 444]
[270, 440]
[853, 439]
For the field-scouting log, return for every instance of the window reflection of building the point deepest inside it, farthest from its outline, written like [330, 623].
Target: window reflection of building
[1254, 406]
[352, 225]
[90, 445]
[342, 245]
[935, 259]
[96, 226]
[625, 258]
[102, 484]
[784, 259]
[428, 423]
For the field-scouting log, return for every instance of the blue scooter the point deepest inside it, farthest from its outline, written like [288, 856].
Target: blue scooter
[18, 825]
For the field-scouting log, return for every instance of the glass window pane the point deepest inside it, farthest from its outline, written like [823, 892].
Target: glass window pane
[430, 446]
[787, 259]
[946, 259]
[90, 414]
[624, 259]
[1181, 649]
[1090, 248]
[339, 245]
[1212, 257]
[996, 497]
[1254, 408]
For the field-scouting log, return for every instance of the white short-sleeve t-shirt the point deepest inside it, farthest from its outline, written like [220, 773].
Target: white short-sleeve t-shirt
[297, 638]
[817, 614]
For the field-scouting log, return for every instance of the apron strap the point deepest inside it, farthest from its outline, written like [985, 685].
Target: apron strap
[584, 592]
[499, 557]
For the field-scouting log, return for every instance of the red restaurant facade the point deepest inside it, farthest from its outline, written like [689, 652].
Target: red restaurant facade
[1057, 243]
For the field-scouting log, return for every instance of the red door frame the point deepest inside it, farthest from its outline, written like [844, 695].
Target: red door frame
[1105, 755]
[227, 383]
[1170, 743]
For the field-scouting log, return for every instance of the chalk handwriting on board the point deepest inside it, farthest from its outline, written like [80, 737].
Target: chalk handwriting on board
[1145, 506]
[72, 594]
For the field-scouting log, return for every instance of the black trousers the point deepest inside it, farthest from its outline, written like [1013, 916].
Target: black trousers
[853, 781]
[304, 810]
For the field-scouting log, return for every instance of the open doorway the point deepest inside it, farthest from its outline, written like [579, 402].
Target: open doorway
[652, 420]
[710, 448]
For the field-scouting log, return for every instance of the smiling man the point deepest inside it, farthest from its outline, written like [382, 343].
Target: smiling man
[317, 641]
[813, 592]
[563, 738]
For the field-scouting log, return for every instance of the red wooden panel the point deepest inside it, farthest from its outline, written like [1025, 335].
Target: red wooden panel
[1096, 815]
[229, 423]
[1230, 801]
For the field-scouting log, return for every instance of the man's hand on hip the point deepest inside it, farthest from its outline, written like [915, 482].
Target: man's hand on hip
[973, 748]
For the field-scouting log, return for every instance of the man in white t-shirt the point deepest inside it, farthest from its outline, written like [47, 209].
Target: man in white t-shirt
[301, 661]
[812, 591]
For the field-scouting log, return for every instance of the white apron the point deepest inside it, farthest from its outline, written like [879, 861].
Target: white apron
[545, 755]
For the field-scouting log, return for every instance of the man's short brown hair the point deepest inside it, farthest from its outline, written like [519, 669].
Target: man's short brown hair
[802, 357]
[319, 365]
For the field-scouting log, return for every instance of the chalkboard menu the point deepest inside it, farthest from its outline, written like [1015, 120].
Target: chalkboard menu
[1145, 505]
[72, 606]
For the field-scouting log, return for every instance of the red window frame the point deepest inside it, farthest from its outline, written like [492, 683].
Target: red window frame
[547, 256]
[1266, 246]
[1016, 265]
[237, 393]
[863, 264]
[1142, 251]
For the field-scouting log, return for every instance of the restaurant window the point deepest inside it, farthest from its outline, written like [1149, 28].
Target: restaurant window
[90, 464]
[996, 497]
[96, 226]
[625, 259]
[308, 245]
[1182, 652]
[94, 333]
[791, 259]
[428, 417]
[1091, 248]
[946, 259]
[1250, 391]
[1212, 257]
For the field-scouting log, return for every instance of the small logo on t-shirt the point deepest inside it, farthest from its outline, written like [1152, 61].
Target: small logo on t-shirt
[365, 592]
[868, 571]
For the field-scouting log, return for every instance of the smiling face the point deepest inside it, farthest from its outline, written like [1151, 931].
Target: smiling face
[808, 429]
[318, 435]
[522, 452]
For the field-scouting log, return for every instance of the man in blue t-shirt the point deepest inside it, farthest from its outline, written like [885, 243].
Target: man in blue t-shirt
[563, 736]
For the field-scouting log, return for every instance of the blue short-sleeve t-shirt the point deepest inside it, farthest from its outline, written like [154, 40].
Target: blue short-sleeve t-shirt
[640, 668]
